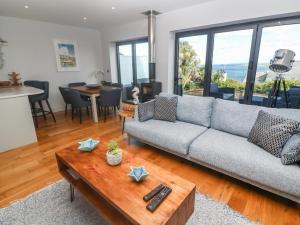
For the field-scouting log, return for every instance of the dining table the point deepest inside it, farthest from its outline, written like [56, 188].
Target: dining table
[93, 93]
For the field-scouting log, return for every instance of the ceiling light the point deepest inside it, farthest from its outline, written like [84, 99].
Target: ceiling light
[26, 6]
[84, 18]
[113, 8]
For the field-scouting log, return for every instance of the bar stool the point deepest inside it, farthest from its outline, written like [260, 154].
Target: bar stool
[33, 99]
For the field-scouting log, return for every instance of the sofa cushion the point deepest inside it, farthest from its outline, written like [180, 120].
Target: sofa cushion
[165, 108]
[233, 117]
[194, 109]
[239, 157]
[239, 119]
[271, 132]
[146, 110]
[175, 137]
[291, 151]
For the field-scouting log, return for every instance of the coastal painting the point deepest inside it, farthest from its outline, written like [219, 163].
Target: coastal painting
[67, 58]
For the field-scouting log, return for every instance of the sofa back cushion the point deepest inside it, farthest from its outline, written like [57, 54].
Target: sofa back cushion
[194, 109]
[239, 119]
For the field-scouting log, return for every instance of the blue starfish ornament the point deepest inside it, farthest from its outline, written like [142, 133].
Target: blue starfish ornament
[88, 145]
[138, 173]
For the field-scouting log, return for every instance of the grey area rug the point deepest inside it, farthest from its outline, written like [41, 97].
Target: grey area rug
[52, 206]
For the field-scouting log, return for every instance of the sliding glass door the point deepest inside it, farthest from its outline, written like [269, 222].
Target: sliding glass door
[232, 62]
[191, 64]
[125, 64]
[132, 61]
[273, 37]
[231, 56]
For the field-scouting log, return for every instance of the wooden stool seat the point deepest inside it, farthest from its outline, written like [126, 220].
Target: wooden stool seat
[127, 111]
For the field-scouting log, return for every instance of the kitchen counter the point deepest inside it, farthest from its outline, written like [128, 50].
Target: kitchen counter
[13, 92]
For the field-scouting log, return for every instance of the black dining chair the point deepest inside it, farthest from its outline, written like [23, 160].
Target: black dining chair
[64, 94]
[77, 84]
[109, 98]
[39, 98]
[77, 102]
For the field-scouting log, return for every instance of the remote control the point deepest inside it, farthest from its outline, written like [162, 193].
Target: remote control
[159, 198]
[152, 193]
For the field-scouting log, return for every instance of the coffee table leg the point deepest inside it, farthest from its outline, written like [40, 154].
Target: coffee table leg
[72, 192]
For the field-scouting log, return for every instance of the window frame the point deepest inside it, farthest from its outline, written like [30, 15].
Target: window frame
[257, 26]
[133, 53]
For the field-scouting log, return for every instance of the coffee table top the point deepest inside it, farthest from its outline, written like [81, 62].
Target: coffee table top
[113, 184]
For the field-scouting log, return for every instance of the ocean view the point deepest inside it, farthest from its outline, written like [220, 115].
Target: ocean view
[239, 71]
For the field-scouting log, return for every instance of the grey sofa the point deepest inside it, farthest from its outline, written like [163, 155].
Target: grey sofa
[213, 133]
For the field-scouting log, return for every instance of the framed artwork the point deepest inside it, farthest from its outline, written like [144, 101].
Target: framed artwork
[66, 53]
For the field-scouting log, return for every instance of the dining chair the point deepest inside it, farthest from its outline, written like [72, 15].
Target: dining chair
[109, 98]
[64, 94]
[33, 99]
[77, 102]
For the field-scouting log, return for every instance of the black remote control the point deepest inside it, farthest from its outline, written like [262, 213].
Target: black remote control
[159, 198]
[152, 193]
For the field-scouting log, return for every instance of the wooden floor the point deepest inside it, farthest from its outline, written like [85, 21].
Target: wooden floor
[29, 168]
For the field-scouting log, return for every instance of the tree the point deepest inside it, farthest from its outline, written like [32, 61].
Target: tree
[218, 76]
[189, 65]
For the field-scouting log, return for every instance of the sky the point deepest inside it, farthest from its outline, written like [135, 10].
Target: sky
[234, 47]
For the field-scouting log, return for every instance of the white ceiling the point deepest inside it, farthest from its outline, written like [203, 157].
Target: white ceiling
[98, 12]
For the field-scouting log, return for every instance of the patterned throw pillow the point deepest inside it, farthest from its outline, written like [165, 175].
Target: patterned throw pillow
[291, 151]
[146, 110]
[271, 132]
[165, 108]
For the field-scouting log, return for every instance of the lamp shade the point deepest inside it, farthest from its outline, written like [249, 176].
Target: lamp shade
[283, 61]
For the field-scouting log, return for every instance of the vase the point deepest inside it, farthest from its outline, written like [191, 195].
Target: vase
[114, 160]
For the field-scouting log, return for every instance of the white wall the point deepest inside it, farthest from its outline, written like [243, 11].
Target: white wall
[30, 52]
[209, 13]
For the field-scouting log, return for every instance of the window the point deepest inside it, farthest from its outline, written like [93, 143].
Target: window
[273, 38]
[125, 64]
[231, 55]
[232, 62]
[191, 60]
[132, 58]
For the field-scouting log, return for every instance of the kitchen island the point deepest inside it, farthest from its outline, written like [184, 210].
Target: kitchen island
[16, 122]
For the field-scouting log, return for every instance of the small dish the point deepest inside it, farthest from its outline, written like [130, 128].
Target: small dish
[138, 173]
[88, 145]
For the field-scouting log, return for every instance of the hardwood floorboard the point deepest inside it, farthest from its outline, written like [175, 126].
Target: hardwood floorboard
[29, 168]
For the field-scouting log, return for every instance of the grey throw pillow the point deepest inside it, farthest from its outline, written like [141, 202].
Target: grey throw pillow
[146, 111]
[291, 151]
[165, 108]
[271, 132]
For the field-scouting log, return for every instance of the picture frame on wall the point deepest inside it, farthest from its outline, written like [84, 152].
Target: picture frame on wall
[67, 57]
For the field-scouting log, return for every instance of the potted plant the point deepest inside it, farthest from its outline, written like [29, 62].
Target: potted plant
[114, 153]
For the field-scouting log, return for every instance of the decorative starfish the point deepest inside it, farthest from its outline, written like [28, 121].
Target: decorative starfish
[138, 173]
[88, 145]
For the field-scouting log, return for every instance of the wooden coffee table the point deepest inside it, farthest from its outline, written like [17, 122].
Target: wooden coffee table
[116, 196]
